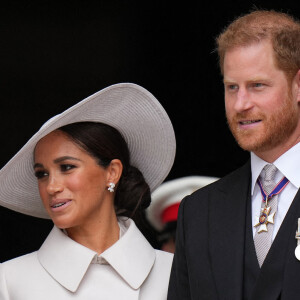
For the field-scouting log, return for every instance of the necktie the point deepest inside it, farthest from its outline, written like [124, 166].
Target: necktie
[263, 239]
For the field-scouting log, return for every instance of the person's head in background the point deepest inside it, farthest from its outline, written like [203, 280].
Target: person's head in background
[163, 211]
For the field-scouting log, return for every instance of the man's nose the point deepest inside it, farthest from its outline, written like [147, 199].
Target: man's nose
[243, 101]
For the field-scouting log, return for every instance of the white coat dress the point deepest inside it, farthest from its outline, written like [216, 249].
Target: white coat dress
[63, 269]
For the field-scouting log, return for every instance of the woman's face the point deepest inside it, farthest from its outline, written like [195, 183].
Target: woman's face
[73, 187]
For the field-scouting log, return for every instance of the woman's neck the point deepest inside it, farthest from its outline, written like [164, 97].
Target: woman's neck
[97, 236]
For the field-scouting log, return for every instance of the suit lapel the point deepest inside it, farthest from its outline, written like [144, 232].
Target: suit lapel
[281, 270]
[227, 232]
[291, 286]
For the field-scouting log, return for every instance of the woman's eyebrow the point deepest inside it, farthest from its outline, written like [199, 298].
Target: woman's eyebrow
[57, 160]
[63, 158]
[37, 165]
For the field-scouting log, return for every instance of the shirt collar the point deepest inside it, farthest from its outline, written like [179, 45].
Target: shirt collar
[257, 164]
[288, 164]
[132, 257]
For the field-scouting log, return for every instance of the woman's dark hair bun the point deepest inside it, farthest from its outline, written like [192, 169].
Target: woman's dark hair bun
[132, 194]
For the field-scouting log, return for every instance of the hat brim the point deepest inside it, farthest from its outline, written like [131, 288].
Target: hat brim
[129, 108]
[171, 192]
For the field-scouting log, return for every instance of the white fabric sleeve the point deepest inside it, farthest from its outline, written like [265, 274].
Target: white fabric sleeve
[3, 286]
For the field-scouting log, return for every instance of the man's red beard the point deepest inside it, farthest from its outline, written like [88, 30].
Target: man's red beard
[272, 130]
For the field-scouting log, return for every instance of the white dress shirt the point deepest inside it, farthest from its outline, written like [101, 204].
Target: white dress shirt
[63, 269]
[288, 166]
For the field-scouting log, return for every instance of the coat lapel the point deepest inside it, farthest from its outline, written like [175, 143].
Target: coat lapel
[132, 257]
[64, 259]
[227, 213]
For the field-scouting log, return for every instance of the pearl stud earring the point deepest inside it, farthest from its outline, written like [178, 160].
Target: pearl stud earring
[111, 187]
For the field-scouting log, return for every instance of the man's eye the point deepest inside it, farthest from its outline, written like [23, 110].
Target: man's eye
[66, 167]
[232, 87]
[257, 84]
[40, 174]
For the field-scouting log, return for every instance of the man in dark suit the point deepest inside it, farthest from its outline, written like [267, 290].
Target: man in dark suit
[236, 237]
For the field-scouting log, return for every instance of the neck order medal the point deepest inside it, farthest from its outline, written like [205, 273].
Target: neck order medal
[264, 218]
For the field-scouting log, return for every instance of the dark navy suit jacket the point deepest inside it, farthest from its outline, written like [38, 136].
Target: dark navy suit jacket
[209, 257]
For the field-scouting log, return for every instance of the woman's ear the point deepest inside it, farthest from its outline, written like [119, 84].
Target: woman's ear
[115, 170]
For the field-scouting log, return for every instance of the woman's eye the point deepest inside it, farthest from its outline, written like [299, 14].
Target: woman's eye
[40, 174]
[66, 167]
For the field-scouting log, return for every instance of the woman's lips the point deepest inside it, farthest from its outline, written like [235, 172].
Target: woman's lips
[60, 205]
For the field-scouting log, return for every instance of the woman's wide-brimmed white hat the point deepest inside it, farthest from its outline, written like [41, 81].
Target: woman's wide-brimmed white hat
[129, 108]
[167, 197]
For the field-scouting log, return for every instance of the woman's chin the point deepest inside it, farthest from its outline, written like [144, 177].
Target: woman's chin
[62, 223]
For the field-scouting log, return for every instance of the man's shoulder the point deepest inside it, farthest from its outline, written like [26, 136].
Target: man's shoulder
[239, 175]
[236, 177]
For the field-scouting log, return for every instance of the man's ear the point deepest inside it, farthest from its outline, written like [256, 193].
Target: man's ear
[296, 86]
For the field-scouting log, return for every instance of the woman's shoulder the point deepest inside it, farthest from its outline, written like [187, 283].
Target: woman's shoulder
[17, 273]
[21, 259]
[22, 263]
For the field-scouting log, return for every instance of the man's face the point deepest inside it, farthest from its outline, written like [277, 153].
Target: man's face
[261, 106]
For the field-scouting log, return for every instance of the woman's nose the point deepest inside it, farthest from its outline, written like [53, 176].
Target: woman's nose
[54, 185]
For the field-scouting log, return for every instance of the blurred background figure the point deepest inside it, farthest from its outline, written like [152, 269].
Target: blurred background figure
[163, 210]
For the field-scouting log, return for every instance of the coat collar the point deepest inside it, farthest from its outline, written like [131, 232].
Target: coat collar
[132, 257]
